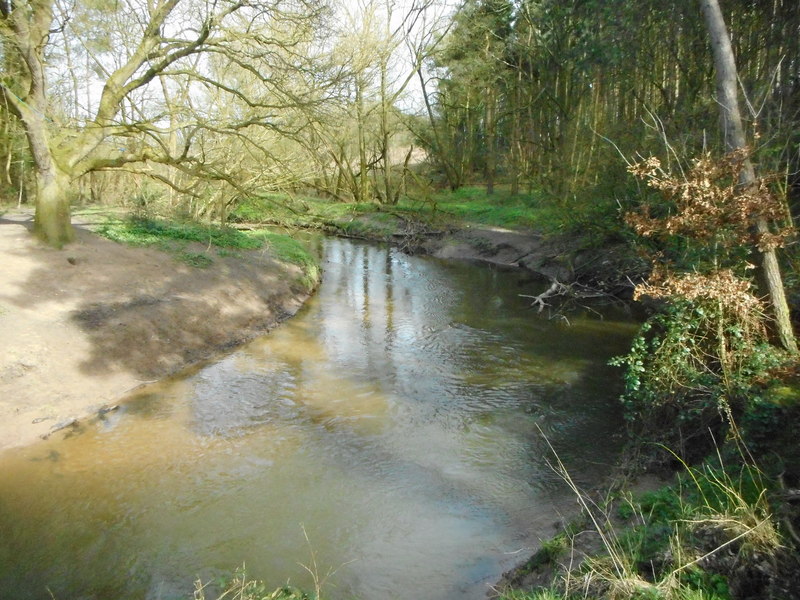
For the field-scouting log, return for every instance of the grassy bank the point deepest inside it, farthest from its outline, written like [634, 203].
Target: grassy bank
[725, 528]
[711, 390]
[198, 245]
[713, 534]
[439, 210]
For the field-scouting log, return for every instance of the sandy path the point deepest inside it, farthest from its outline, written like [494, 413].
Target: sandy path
[81, 326]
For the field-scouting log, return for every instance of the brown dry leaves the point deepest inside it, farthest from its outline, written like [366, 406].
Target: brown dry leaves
[733, 294]
[710, 204]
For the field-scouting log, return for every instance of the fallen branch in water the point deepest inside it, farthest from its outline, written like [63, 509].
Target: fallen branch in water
[556, 289]
[571, 291]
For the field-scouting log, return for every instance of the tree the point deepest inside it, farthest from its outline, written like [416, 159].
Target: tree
[355, 141]
[473, 84]
[733, 131]
[172, 40]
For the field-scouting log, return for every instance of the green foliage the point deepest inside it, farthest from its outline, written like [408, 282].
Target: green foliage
[699, 584]
[692, 364]
[146, 232]
[473, 205]
[549, 551]
[676, 543]
[174, 237]
[307, 212]
[287, 249]
[545, 594]
[251, 210]
[465, 205]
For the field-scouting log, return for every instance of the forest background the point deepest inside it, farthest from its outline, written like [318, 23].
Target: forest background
[605, 120]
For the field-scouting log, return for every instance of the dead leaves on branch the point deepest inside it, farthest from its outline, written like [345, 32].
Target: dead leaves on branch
[721, 286]
[708, 206]
[723, 289]
[709, 203]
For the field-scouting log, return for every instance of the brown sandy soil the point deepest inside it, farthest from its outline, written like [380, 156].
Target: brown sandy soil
[83, 325]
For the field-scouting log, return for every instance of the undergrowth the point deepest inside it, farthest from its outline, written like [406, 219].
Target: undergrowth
[701, 366]
[469, 204]
[288, 249]
[242, 588]
[147, 232]
[693, 539]
[175, 238]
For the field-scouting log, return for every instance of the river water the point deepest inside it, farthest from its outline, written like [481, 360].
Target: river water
[389, 438]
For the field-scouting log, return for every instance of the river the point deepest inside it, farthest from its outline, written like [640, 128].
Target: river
[390, 434]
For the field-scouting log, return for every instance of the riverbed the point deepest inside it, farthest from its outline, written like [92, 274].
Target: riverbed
[392, 438]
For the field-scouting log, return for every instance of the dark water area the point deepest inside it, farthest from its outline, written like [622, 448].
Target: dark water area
[391, 434]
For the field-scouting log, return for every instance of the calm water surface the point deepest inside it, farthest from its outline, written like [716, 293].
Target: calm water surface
[387, 433]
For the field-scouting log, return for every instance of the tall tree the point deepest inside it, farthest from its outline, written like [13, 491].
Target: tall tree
[473, 84]
[733, 131]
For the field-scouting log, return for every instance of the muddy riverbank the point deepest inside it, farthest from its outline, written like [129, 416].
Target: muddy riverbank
[83, 325]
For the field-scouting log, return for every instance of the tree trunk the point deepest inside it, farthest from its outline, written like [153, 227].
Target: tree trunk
[52, 222]
[733, 132]
[491, 141]
[30, 25]
[453, 178]
[362, 188]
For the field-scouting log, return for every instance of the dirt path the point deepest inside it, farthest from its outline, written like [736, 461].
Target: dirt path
[81, 326]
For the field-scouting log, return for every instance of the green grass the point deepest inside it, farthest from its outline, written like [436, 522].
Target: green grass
[654, 553]
[241, 588]
[468, 205]
[147, 232]
[174, 238]
[288, 249]
[535, 595]
[501, 209]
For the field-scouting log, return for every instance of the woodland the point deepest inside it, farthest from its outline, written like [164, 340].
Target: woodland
[669, 127]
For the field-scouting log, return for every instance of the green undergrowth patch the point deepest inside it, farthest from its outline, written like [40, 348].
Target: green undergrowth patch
[241, 588]
[440, 209]
[175, 238]
[303, 212]
[543, 594]
[287, 249]
[592, 217]
[501, 209]
[147, 232]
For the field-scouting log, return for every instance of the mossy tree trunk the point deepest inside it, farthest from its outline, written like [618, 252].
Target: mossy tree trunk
[29, 23]
[53, 223]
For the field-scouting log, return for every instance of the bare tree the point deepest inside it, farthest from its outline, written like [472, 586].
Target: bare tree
[196, 44]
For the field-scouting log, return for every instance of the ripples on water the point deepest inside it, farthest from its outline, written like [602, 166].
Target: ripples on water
[395, 421]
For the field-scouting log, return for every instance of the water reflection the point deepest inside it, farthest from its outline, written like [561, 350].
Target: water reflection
[395, 421]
